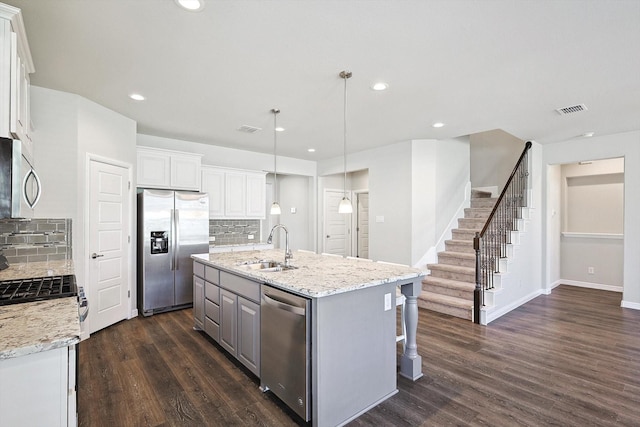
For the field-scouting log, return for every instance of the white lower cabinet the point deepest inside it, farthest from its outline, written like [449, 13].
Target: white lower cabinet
[39, 389]
[229, 312]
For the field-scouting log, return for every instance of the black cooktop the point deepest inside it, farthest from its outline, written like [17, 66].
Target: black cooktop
[37, 289]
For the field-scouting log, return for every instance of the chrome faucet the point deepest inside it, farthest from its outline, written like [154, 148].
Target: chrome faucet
[287, 252]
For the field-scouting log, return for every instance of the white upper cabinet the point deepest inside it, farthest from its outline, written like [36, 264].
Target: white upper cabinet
[234, 193]
[213, 184]
[256, 193]
[235, 196]
[15, 67]
[172, 170]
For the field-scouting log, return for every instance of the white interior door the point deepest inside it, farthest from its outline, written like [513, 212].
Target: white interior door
[108, 285]
[336, 225]
[363, 225]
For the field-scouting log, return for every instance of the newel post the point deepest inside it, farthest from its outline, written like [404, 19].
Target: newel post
[477, 292]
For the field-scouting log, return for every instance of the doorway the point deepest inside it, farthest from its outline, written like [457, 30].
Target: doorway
[108, 281]
[362, 225]
[336, 225]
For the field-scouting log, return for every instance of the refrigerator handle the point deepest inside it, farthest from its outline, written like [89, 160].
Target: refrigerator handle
[172, 240]
[177, 239]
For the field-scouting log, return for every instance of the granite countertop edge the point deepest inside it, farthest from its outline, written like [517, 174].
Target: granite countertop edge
[297, 280]
[38, 326]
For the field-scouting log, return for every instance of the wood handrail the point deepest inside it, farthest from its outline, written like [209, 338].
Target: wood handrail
[527, 146]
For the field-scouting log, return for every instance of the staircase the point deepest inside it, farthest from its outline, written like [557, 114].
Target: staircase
[449, 288]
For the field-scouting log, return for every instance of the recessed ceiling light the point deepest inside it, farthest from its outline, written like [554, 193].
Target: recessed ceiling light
[136, 97]
[380, 86]
[438, 125]
[279, 129]
[311, 150]
[588, 134]
[191, 5]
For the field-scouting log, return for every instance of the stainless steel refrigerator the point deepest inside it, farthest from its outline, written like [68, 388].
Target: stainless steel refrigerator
[172, 225]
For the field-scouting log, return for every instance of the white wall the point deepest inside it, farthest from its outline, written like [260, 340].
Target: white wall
[67, 129]
[389, 197]
[494, 154]
[625, 145]
[440, 174]
[415, 187]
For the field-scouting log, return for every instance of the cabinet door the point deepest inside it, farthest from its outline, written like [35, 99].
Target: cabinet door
[256, 188]
[249, 334]
[228, 321]
[185, 172]
[154, 169]
[198, 302]
[213, 184]
[235, 201]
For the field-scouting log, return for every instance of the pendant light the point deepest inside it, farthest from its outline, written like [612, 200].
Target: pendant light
[275, 206]
[345, 204]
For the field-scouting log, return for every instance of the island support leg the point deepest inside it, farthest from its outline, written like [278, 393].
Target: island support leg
[411, 361]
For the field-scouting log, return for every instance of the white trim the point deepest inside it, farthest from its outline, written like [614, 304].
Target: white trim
[590, 285]
[629, 304]
[488, 316]
[614, 236]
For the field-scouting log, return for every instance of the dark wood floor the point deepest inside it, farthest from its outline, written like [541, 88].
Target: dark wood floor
[568, 359]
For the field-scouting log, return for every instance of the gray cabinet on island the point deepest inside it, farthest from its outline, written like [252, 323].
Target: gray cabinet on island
[352, 329]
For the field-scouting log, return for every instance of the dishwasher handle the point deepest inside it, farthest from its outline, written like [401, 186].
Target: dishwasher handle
[283, 305]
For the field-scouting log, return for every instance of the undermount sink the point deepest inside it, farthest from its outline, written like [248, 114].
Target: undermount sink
[265, 265]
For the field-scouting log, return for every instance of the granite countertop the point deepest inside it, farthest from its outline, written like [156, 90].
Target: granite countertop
[37, 269]
[317, 275]
[38, 326]
[41, 325]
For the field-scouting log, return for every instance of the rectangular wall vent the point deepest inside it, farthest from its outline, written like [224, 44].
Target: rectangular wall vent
[572, 109]
[248, 129]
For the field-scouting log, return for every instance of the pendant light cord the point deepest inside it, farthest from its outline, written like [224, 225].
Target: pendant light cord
[275, 148]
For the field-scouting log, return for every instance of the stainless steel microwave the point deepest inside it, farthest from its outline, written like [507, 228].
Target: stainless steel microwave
[20, 186]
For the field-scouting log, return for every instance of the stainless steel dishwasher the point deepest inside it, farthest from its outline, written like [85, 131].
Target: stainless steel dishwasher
[285, 348]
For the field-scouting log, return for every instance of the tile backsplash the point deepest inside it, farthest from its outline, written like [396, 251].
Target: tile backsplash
[32, 240]
[234, 231]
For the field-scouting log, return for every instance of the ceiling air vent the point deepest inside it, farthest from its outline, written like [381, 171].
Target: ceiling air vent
[572, 109]
[248, 129]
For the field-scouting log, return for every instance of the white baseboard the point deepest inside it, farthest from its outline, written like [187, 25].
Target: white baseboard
[492, 315]
[134, 313]
[591, 285]
[629, 304]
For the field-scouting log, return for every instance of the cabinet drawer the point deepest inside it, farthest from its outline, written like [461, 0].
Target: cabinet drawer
[198, 269]
[241, 286]
[212, 292]
[212, 329]
[212, 275]
[212, 310]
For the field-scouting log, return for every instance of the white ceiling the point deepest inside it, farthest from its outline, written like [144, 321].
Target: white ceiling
[474, 65]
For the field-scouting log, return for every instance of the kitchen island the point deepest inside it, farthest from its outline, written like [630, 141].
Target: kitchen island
[352, 322]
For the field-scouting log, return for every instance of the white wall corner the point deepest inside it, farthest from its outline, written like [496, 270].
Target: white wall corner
[431, 256]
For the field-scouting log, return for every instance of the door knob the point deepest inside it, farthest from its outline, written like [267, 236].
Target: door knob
[95, 255]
